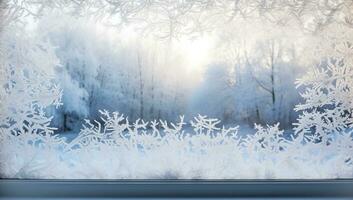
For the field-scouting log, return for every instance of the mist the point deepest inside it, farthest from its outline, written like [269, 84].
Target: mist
[148, 77]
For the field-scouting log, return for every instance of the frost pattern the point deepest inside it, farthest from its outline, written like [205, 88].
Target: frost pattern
[116, 148]
[119, 149]
[27, 89]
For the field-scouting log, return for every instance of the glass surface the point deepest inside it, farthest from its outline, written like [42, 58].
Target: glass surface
[159, 89]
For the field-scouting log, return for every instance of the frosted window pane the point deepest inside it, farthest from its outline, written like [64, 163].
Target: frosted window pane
[176, 89]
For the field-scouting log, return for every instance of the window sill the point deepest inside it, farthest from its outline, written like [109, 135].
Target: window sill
[11, 188]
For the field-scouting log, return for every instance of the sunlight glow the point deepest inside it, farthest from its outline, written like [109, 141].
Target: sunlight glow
[197, 52]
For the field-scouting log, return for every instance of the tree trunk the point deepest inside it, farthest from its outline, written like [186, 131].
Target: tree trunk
[141, 86]
[64, 122]
[272, 65]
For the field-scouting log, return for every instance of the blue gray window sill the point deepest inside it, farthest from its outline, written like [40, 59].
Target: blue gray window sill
[66, 189]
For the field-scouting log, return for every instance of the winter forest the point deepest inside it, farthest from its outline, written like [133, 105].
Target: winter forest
[176, 89]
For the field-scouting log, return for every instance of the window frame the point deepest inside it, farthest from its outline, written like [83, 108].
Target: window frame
[18, 188]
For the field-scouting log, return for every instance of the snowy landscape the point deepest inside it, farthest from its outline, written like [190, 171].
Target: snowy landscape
[162, 89]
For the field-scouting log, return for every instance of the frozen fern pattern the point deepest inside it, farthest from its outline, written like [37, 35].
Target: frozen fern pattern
[116, 148]
[328, 106]
[27, 89]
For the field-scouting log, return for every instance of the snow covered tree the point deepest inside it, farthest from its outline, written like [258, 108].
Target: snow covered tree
[275, 70]
[78, 75]
[218, 80]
